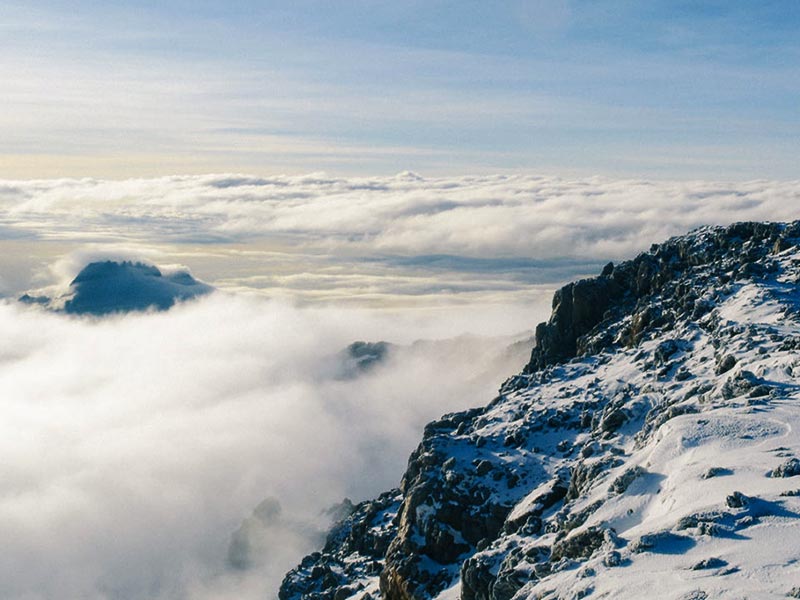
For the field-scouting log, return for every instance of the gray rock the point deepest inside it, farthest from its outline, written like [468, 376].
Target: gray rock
[791, 468]
[709, 563]
[725, 364]
[579, 546]
[737, 500]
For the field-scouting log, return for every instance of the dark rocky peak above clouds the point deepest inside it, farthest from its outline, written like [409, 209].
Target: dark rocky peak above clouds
[109, 287]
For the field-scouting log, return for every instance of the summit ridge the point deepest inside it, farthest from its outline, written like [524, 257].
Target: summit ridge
[651, 443]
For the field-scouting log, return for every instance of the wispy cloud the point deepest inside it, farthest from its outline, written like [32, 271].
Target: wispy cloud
[128, 467]
[611, 88]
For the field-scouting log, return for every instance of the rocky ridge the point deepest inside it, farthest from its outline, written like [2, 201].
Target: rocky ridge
[649, 436]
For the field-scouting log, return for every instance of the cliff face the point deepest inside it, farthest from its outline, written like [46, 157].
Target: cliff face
[677, 271]
[650, 436]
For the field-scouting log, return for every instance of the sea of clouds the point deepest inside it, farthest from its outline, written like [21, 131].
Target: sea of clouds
[374, 239]
[134, 446]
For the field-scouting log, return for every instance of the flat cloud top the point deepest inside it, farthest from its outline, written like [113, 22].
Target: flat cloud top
[378, 239]
[150, 438]
[490, 216]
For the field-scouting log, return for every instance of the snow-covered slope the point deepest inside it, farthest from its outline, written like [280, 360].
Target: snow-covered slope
[651, 447]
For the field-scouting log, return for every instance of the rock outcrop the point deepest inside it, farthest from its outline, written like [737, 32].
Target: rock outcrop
[670, 273]
[580, 467]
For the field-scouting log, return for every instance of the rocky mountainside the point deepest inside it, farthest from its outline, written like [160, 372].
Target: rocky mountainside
[650, 446]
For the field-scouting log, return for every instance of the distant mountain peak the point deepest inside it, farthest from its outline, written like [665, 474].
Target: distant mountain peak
[108, 269]
[108, 287]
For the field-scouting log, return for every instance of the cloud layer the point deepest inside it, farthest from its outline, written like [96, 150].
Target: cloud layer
[372, 240]
[152, 436]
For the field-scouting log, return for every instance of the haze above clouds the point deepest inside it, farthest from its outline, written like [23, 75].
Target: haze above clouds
[657, 89]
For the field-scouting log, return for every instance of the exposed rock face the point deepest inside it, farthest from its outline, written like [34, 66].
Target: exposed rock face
[669, 271]
[352, 557]
[577, 309]
[554, 484]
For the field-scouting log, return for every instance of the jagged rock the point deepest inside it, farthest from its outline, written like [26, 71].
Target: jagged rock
[482, 467]
[477, 576]
[579, 545]
[651, 541]
[585, 473]
[542, 499]
[737, 500]
[725, 364]
[355, 547]
[613, 420]
[577, 308]
[791, 468]
[664, 351]
[741, 383]
[760, 391]
[621, 483]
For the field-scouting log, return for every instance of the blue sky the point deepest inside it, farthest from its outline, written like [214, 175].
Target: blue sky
[615, 87]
